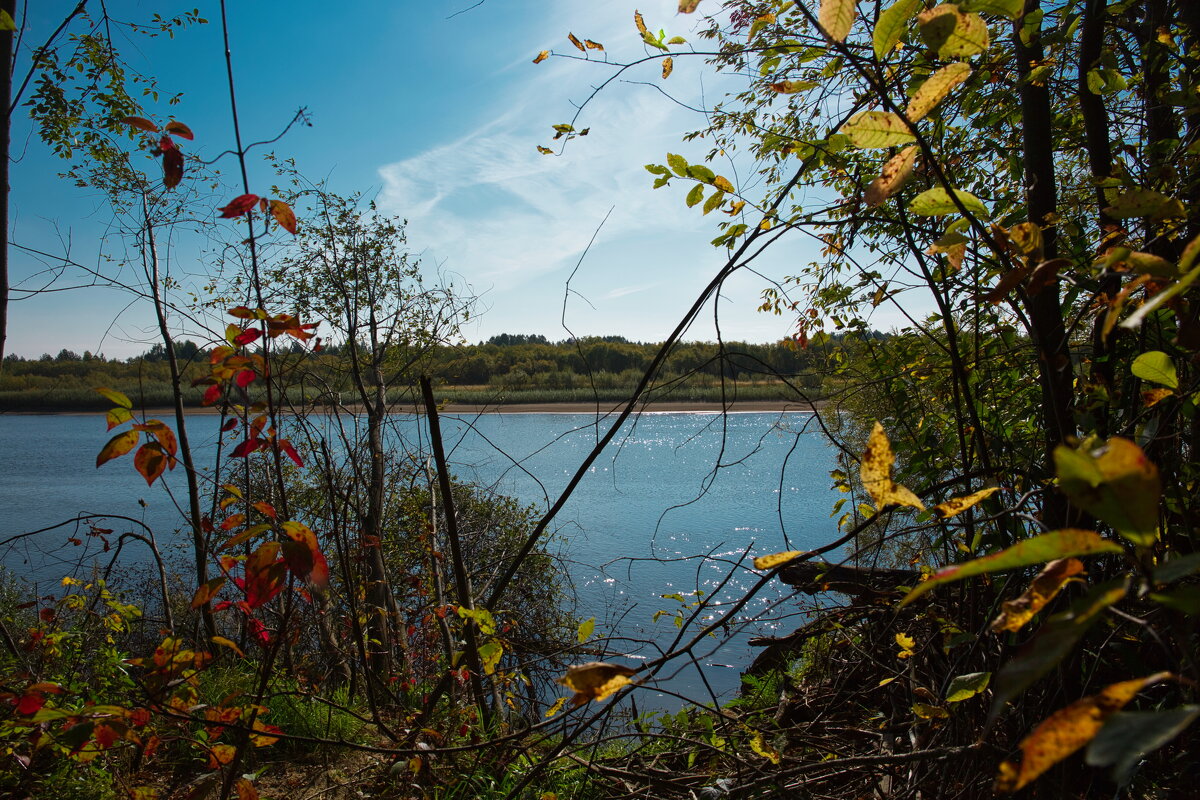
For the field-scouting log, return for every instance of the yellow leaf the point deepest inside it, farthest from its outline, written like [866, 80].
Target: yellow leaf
[593, 45]
[836, 18]
[688, 6]
[935, 89]
[668, 65]
[575, 41]
[723, 183]
[1015, 613]
[775, 559]
[118, 446]
[641, 23]
[117, 397]
[926, 711]
[907, 643]
[542, 56]
[595, 680]
[895, 173]
[221, 640]
[876, 473]
[957, 505]
[873, 129]
[760, 746]
[557, 707]
[886, 681]
[1067, 730]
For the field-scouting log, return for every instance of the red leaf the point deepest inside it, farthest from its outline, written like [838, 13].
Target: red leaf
[247, 447]
[212, 394]
[166, 144]
[230, 425]
[264, 574]
[172, 168]
[179, 129]
[150, 461]
[238, 206]
[247, 336]
[141, 123]
[47, 615]
[259, 630]
[245, 378]
[106, 737]
[290, 451]
[284, 215]
[304, 555]
[30, 704]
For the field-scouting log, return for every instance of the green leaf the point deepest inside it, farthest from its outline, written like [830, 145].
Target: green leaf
[1117, 483]
[1037, 550]
[1052, 642]
[1003, 8]
[1185, 599]
[952, 33]
[678, 164]
[701, 173]
[7, 23]
[585, 629]
[1176, 568]
[937, 203]
[657, 169]
[714, 201]
[872, 129]
[489, 656]
[893, 22]
[935, 89]
[837, 17]
[1156, 367]
[695, 195]
[1129, 735]
[967, 686]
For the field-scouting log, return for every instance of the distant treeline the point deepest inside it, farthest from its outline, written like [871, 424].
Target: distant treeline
[509, 368]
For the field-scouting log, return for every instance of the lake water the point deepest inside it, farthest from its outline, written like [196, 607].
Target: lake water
[668, 507]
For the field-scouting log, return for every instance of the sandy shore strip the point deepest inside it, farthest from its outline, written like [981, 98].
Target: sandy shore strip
[604, 408]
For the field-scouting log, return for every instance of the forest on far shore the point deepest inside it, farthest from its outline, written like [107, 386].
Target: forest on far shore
[507, 368]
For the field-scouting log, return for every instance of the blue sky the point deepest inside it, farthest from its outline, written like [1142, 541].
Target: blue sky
[438, 116]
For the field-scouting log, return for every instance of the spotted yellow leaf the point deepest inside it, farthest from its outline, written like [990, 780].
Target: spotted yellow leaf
[876, 473]
[595, 680]
[775, 559]
[1015, 613]
[957, 505]
[895, 174]
[668, 65]
[1067, 730]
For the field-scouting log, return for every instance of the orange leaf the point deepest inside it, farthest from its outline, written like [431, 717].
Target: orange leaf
[542, 56]
[265, 508]
[1015, 613]
[220, 754]
[592, 45]
[576, 42]
[639, 22]
[895, 174]
[1067, 730]
[141, 123]
[179, 129]
[118, 446]
[304, 555]
[150, 461]
[284, 215]
[207, 591]
[246, 790]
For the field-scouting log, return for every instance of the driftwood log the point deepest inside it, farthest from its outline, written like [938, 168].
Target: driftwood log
[814, 577]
